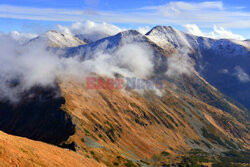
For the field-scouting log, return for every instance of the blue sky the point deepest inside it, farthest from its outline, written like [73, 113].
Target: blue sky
[38, 16]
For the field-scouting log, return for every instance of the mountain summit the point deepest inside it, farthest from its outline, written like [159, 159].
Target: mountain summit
[220, 61]
[57, 39]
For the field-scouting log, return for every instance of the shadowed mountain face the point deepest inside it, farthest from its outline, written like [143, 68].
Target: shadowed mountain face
[228, 74]
[223, 63]
[37, 116]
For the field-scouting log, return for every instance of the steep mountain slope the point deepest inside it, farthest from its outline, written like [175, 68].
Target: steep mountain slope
[223, 63]
[113, 123]
[57, 39]
[166, 60]
[141, 126]
[17, 151]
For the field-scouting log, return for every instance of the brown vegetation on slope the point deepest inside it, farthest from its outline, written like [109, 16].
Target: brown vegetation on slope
[18, 151]
[141, 127]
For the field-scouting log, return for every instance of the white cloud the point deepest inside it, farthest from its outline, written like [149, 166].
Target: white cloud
[140, 61]
[193, 29]
[220, 32]
[144, 30]
[180, 64]
[22, 37]
[91, 30]
[180, 8]
[18, 37]
[32, 65]
[203, 14]
[48, 14]
[217, 33]
[241, 74]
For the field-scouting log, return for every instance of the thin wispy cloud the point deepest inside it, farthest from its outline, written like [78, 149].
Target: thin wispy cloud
[47, 14]
[204, 14]
[241, 74]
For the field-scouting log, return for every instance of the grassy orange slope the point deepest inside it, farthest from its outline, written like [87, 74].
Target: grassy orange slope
[18, 151]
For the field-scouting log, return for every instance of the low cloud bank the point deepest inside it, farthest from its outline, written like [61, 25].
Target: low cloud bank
[21, 38]
[90, 30]
[217, 33]
[25, 66]
[93, 31]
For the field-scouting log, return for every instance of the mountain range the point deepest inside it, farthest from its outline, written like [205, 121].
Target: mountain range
[199, 117]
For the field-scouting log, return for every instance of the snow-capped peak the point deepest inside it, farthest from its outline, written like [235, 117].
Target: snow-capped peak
[58, 39]
[168, 37]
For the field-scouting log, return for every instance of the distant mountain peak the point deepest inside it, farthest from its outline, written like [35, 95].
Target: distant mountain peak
[59, 39]
[168, 38]
[54, 38]
[130, 32]
[162, 29]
